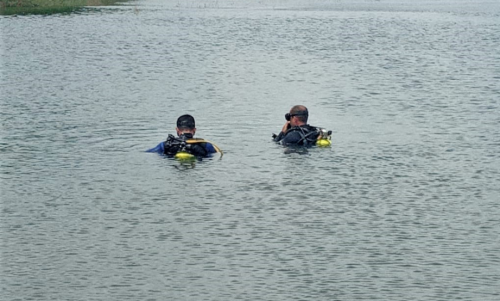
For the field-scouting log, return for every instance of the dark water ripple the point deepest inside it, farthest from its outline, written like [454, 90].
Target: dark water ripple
[404, 206]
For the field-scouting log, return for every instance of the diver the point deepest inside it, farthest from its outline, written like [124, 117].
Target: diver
[296, 131]
[185, 143]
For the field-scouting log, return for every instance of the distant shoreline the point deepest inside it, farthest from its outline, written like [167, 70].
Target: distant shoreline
[27, 7]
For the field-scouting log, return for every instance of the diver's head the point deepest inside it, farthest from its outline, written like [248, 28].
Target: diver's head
[298, 115]
[185, 125]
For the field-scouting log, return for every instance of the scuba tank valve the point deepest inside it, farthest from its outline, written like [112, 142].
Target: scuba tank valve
[324, 138]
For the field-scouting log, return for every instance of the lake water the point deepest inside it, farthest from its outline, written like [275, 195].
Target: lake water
[405, 205]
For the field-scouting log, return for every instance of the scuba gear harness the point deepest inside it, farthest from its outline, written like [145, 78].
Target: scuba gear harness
[309, 135]
[187, 145]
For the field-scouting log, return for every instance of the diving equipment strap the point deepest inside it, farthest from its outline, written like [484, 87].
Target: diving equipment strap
[199, 140]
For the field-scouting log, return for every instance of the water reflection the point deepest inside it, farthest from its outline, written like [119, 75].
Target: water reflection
[296, 150]
[183, 165]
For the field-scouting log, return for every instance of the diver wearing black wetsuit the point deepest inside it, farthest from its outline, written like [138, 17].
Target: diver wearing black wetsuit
[185, 142]
[296, 131]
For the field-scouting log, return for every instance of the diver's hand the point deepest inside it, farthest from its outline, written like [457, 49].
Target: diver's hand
[286, 127]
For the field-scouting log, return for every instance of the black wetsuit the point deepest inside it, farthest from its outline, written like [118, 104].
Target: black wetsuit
[304, 135]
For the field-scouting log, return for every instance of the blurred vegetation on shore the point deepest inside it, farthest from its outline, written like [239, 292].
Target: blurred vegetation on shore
[26, 7]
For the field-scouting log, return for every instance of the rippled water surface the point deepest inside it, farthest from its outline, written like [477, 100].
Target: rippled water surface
[404, 206]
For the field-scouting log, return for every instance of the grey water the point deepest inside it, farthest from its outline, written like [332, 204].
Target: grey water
[405, 204]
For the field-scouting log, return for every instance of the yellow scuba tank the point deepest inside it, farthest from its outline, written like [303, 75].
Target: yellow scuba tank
[324, 138]
[182, 155]
[323, 142]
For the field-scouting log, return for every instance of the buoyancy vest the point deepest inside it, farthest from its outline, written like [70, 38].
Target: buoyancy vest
[305, 135]
[186, 143]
